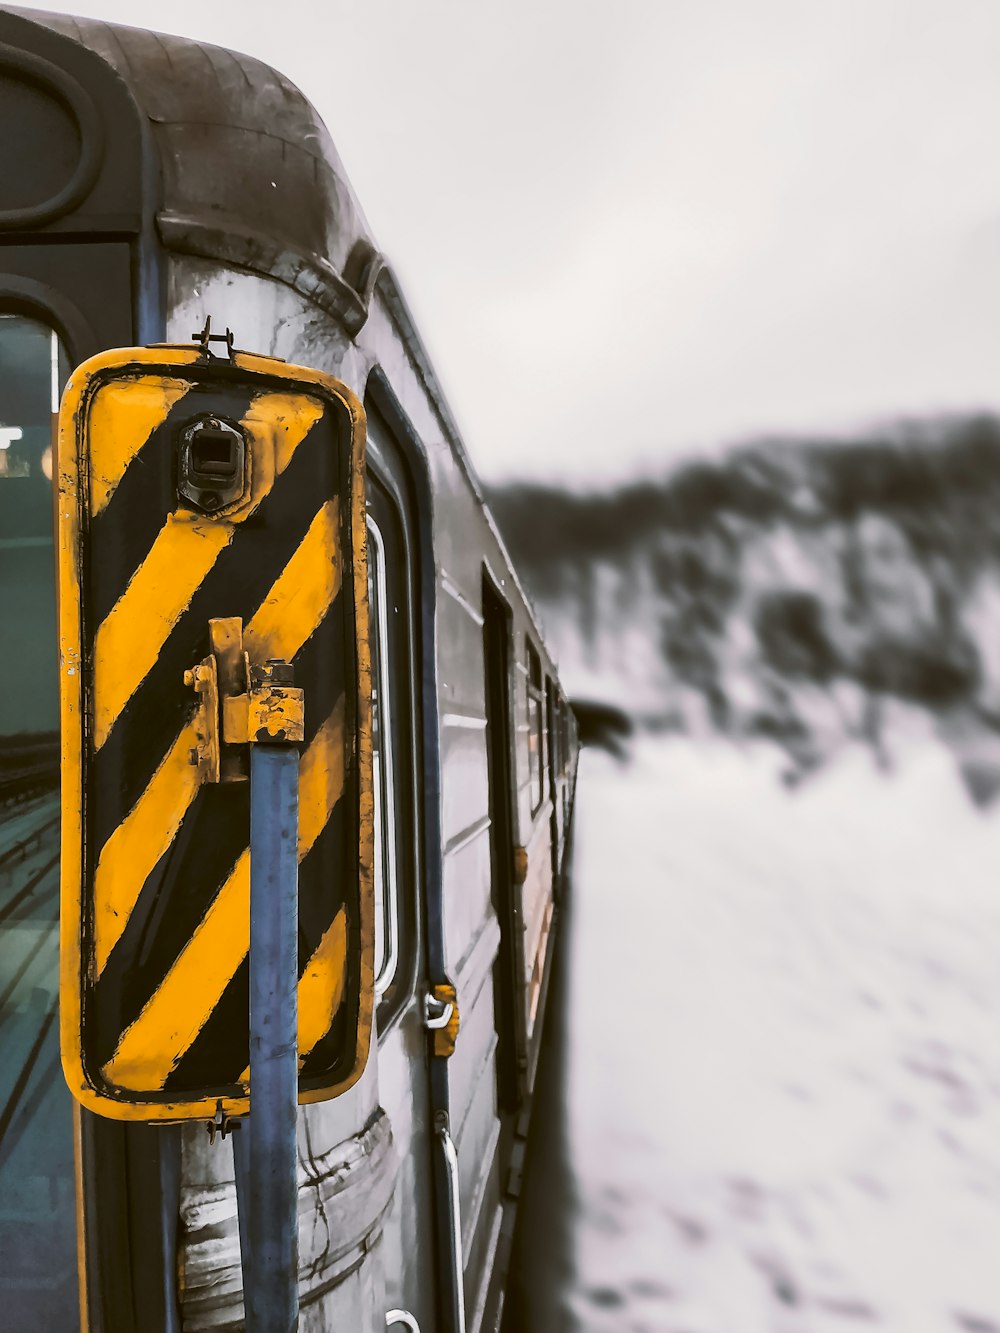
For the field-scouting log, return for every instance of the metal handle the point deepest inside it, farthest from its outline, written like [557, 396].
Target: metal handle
[458, 1262]
[402, 1317]
[437, 1013]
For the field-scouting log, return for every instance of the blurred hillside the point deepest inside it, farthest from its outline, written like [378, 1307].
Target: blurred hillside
[803, 589]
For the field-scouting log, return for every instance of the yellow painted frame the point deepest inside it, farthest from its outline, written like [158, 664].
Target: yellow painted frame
[72, 493]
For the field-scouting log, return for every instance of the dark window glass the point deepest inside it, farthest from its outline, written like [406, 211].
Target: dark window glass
[37, 1197]
[535, 716]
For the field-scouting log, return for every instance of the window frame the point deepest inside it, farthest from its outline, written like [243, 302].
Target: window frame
[384, 808]
[387, 486]
[535, 699]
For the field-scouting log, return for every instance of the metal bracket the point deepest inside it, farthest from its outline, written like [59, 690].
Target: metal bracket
[204, 679]
[206, 336]
[240, 705]
[441, 1017]
[275, 709]
[221, 1124]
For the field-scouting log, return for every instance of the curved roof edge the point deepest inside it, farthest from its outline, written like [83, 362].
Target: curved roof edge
[249, 173]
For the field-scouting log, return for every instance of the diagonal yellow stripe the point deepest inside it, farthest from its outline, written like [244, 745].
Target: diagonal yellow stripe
[129, 855]
[321, 989]
[321, 781]
[301, 596]
[173, 1016]
[131, 636]
[123, 416]
[192, 988]
[321, 778]
[321, 986]
[287, 418]
[285, 619]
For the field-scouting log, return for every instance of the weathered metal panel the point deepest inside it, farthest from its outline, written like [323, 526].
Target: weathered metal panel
[465, 794]
[479, 1139]
[352, 1183]
[473, 1061]
[408, 1238]
[467, 890]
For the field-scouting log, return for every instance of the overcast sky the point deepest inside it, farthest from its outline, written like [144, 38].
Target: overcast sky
[672, 224]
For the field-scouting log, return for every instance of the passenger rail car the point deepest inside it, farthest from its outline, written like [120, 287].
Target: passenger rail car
[146, 184]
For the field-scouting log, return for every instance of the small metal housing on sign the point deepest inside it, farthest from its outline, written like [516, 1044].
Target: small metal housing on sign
[211, 464]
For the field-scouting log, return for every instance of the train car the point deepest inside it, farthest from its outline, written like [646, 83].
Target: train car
[148, 184]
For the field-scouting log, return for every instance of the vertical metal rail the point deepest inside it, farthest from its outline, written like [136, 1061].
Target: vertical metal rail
[450, 1154]
[267, 1159]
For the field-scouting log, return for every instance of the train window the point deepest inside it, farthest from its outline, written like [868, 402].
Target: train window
[386, 888]
[535, 734]
[552, 716]
[392, 752]
[38, 1225]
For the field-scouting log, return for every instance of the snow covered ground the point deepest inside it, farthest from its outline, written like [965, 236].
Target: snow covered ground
[784, 1062]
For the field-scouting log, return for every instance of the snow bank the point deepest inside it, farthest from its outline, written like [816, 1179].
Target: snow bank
[784, 1080]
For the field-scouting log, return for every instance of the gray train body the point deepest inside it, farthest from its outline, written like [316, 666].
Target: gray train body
[204, 184]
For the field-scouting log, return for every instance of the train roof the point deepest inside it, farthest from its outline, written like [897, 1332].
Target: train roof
[250, 176]
[249, 172]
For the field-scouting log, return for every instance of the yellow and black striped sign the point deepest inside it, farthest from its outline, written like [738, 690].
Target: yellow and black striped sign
[155, 888]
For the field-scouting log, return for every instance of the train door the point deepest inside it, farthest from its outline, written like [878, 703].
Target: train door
[508, 985]
[400, 953]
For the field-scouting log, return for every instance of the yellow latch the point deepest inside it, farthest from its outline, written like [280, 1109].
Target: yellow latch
[441, 1017]
[239, 704]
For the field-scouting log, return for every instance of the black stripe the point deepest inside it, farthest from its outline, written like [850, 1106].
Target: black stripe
[173, 901]
[213, 835]
[323, 875]
[321, 666]
[332, 1058]
[184, 882]
[220, 1049]
[125, 529]
[236, 586]
[220, 1052]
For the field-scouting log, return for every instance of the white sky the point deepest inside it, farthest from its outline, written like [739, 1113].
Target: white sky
[670, 223]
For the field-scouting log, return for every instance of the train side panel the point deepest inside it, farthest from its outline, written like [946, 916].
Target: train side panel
[477, 793]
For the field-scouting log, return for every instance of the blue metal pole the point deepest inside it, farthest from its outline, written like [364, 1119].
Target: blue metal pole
[270, 1255]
